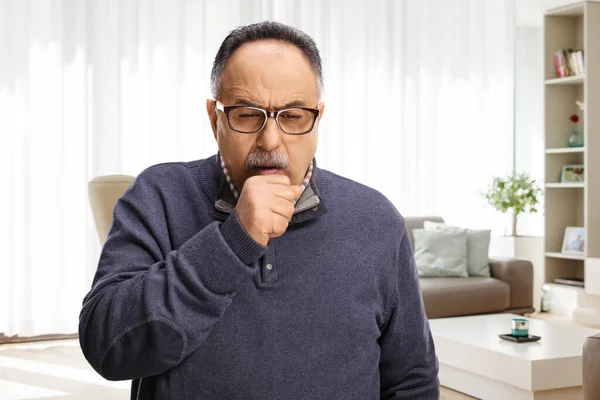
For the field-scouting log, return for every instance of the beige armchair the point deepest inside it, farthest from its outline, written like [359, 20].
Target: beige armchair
[103, 193]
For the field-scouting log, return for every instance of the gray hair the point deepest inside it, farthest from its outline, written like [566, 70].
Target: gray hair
[263, 31]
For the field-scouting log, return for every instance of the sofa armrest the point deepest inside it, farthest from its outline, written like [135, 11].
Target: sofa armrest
[591, 367]
[518, 274]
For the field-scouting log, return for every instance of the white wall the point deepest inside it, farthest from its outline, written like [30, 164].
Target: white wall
[529, 123]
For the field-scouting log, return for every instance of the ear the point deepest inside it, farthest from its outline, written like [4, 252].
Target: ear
[321, 108]
[211, 109]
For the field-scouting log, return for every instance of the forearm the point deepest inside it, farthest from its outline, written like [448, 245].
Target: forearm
[146, 320]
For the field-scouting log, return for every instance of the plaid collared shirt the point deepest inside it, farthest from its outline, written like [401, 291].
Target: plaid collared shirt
[236, 193]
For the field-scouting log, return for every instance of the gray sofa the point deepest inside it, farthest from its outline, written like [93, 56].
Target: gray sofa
[509, 289]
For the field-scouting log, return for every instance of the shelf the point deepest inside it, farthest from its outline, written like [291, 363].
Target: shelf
[570, 80]
[564, 150]
[564, 185]
[565, 256]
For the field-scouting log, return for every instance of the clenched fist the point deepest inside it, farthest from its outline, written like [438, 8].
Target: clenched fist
[266, 206]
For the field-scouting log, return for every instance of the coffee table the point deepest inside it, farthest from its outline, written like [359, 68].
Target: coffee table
[475, 361]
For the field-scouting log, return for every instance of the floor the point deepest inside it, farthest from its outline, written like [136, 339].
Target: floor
[57, 370]
[52, 370]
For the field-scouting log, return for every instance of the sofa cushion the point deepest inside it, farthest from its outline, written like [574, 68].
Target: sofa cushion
[413, 223]
[441, 253]
[478, 247]
[450, 297]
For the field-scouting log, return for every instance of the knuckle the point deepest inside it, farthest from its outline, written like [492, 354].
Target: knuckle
[274, 227]
[284, 222]
[276, 224]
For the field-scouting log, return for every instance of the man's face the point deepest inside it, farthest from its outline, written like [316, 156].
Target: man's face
[268, 74]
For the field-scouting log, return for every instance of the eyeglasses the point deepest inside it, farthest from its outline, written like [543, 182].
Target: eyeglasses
[292, 121]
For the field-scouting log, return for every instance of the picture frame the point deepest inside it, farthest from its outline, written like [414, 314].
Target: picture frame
[572, 173]
[574, 241]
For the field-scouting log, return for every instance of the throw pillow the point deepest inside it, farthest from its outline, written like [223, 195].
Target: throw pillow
[478, 247]
[441, 253]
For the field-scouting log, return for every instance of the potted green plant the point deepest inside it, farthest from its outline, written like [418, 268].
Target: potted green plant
[516, 193]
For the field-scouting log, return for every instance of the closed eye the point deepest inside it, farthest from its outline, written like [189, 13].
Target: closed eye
[290, 116]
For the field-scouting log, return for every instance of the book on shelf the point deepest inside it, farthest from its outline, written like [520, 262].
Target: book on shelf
[569, 62]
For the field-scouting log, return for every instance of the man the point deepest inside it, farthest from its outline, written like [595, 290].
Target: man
[253, 274]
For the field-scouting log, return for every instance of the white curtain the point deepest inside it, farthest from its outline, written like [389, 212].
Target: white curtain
[419, 100]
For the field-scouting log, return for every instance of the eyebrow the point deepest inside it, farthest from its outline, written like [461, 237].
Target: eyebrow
[240, 101]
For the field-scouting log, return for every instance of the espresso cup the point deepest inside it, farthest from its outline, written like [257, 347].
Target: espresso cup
[520, 327]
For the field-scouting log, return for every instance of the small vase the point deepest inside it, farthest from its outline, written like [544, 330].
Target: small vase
[514, 225]
[576, 138]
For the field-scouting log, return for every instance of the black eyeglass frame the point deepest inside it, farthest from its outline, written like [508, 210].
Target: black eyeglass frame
[268, 114]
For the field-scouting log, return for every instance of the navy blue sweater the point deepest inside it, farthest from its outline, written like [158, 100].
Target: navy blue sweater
[189, 306]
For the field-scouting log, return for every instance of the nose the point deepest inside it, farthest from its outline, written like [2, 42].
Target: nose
[269, 138]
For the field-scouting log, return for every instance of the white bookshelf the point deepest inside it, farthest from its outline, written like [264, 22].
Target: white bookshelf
[574, 26]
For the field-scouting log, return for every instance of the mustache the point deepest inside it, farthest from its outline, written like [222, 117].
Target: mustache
[261, 158]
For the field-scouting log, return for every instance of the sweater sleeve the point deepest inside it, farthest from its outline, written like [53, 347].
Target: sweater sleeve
[408, 365]
[146, 310]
